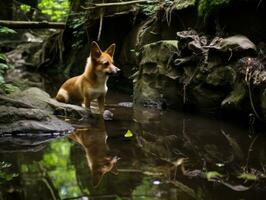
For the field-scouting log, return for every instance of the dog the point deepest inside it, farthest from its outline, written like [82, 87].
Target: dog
[92, 84]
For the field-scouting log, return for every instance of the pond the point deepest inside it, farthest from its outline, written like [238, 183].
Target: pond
[141, 154]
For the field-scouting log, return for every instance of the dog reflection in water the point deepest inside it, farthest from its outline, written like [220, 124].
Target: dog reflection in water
[93, 140]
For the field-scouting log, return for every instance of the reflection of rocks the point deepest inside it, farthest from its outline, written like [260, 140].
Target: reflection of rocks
[32, 112]
[169, 136]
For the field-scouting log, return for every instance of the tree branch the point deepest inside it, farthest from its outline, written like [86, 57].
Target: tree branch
[101, 5]
[32, 24]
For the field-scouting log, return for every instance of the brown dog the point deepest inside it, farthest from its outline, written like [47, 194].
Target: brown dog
[91, 84]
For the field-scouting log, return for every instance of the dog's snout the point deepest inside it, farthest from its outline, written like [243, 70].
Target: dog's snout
[113, 71]
[117, 69]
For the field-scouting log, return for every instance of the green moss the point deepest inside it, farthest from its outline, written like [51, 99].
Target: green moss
[206, 7]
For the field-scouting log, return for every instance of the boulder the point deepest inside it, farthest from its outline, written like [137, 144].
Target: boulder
[27, 121]
[156, 80]
[234, 101]
[33, 112]
[221, 76]
[38, 98]
[263, 103]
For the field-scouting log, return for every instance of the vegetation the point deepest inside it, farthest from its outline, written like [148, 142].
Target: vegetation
[54, 10]
[206, 7]
[4, 66]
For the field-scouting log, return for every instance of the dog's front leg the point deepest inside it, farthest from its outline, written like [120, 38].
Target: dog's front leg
[87, 102]
[101, 100]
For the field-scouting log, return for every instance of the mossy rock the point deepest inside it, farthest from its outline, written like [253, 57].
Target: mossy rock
[263, 103]
[207, 100]
[233, 102]
[222, 76]
[157, 77]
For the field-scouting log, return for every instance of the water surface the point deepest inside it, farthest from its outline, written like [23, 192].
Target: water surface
[170, 156]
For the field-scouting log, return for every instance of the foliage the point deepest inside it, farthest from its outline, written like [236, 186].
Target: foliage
[4, 66]
[56, 165]
[128, 134]
[78, 24]
[213, 175]
[144, 189]
[56, 10]
[206, 7]
[5, 30]
[57, 162]
[248, 176]
[4, 174]
[25, 8]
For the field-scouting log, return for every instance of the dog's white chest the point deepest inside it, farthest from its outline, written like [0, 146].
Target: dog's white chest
[94, 93]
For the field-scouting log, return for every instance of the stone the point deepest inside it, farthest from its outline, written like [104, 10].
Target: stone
[207, 100]
[33, 112]
[222, 76]
[233, 102]
[236, 45]
[156, 80]
[263, 103]
[38, 98]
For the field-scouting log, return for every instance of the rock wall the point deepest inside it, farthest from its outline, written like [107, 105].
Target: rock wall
[208, 75]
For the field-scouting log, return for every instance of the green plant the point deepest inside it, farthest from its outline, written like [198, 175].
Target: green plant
[4, 66]
[55, 9]
[5, 30]
[5, 175]
[206, 7]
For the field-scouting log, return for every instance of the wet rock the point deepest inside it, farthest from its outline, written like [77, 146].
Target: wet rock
[108, 115]
[156, 80]
[49, 126]
[25, 120]
[207, 100]
[236, 43]
[222, 76]
[38, 98]
[263, 103]
[33, 111]
[233, 102]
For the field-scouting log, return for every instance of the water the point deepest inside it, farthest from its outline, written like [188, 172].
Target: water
[171, 155]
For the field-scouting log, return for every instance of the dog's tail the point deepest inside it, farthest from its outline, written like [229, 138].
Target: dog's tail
[62, 96]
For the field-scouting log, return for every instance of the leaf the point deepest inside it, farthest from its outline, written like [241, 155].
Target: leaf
[3, 57]
[128, 134]
[213, 175]
[248, 176]
[3, 66]
[4, 29]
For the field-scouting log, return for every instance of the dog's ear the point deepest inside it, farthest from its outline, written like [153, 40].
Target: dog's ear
[111, 50]
[95, 50]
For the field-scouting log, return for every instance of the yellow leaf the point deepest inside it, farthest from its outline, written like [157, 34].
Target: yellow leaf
[128, 134]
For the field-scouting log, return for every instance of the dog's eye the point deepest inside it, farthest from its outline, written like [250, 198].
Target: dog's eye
[105, 64]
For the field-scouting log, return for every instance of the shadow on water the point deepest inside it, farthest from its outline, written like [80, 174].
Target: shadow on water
[170, 155]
